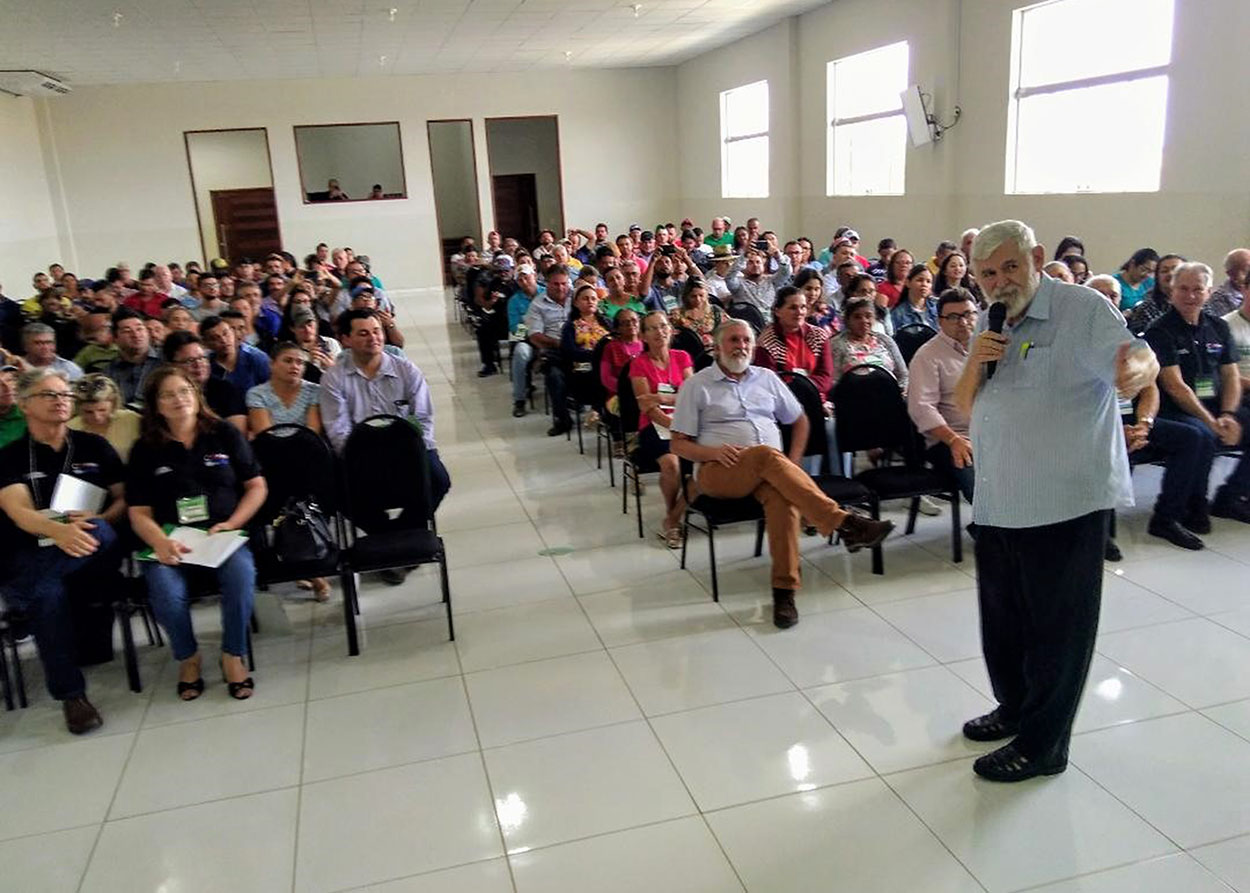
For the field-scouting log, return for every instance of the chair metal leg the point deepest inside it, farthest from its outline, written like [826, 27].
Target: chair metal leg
[878, 559]
[147, 626]
[442, 571]
[912, 511]
[255, 624]
[124, 617]
[599, 450]
[711, 551]
[685, 537]
[638, 504]
[349, 613]
[759, 538]
[156, 627]
[6, 683]
[957, 533]
[19, 679]
[251, 655]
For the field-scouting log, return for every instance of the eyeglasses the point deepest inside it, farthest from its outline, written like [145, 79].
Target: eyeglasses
[193, 361]
[970, 316]
[55, 395]
[176, 394]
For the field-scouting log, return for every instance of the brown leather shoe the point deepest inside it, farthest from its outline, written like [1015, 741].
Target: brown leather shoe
[80, 716]
[785, 614]
[858, 532]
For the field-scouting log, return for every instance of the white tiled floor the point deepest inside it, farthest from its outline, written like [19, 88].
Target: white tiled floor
[601, 725]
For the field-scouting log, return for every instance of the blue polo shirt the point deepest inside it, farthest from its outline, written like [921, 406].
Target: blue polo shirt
[1046, 436]
[251, 369]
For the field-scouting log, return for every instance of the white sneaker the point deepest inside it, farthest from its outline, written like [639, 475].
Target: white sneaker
[929, 507]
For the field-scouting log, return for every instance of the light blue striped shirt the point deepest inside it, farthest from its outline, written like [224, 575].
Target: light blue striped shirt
[1047, 443]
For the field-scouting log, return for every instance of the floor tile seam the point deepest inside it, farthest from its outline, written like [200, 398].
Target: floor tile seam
[299, 794]
[1163, 595]
[1213, 619]
[361, 691]
[1241, 836]
[337, 633]
[1138, 674]
[33, 834]
[104, 818]
[95, 736]
[1118, 867]
[229, 713]
[111, 820]
[369, 885]
[535, 660]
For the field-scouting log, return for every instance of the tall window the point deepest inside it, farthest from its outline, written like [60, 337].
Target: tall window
[744, 141]
[1089, 91]
[867, 145]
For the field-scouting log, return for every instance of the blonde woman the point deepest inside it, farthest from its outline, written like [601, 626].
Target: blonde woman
[100, 411]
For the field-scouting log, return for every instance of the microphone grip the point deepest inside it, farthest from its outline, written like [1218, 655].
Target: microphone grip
[998, 316]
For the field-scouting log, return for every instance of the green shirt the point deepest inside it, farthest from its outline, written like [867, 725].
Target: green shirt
[96, 358]
[609, 310]
[12, 425]
[726, 238]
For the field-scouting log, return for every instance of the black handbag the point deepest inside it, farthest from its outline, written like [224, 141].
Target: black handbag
[300, 533]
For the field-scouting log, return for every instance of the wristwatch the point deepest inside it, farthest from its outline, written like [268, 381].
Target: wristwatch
[1148, 421]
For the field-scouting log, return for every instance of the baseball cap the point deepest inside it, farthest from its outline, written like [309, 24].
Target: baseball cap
[361, 289]
[504, 262]
[219, 263]
[301, 315]
[633, 227]
[851, 235]
[647, 235]
[526, 269]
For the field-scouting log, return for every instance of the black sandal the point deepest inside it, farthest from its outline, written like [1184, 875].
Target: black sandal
[993, 726]
[1008, 764]
[197, 686]
[236, 689]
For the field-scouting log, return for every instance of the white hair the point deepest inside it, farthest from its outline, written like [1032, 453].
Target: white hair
[731, 322]
[1104, 279]
[1194, 266]
[1232, 257]
[34, 378]
[970, 231]
[993, 236]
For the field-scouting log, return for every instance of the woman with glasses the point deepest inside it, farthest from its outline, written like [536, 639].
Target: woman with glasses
[100, 412]
[187, 351]
[191, 469]
[859, 344]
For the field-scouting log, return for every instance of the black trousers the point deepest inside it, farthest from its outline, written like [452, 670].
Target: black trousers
[1040, 589]
[491, 329]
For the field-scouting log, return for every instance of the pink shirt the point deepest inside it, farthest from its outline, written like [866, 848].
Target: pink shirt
[932, 375]
[642, 367]
[615, 356]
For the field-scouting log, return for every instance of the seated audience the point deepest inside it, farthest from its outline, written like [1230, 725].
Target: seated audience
[186, 350]
[136, 359]
[1109, 287]
[192, 469]
[320, 351]
[287, 398]
[544, 325]
[822, 307]
[1079, 268]
[726, 420]
[617, 299]
[916, 305]
[582, 332]
[934, 370]
[1069, 246]
[1057, 269]
[885, 250]
[179, 319]
[368, 381]
[522, 358]
[657, 375]
[696, 312]
[147, 301]
[1236, 288]
[940, 253]
[81, 544]
[895, 280]
[39, 344]
[1136, 277]
[1202, 388]
[240, 364]
[487, 306]
[858, 344]
[100, 411]
[623, 346]
[954, 273]
[1158, 301]
[96, 330]
[749, 283]
[12, 422]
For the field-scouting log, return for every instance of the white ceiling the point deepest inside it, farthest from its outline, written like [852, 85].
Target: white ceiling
[217, 40]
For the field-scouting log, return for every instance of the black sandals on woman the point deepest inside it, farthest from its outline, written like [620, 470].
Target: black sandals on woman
[184, 687]
[241, 691]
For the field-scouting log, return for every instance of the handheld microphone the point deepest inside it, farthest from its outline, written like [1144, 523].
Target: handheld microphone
[998, 316]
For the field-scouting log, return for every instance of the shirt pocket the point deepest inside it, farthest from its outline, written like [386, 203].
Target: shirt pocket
[1035, 367]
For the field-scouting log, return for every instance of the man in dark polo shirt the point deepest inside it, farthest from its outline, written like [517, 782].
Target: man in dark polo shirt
[187, 350]
[135, 360]
[1200, 384]
[40, 552]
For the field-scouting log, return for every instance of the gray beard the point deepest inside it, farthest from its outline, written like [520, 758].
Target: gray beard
[736, 365]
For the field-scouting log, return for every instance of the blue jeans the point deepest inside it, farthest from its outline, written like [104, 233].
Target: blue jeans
[1187, 448]
[38, 591]
[167, 591]
[522, 356]
[965, 478]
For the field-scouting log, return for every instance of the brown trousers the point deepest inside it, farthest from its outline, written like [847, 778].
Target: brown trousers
[786, 492]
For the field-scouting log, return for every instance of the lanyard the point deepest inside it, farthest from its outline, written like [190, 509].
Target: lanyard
[34, 471]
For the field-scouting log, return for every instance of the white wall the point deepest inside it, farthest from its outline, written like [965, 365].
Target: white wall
[130, 197]
[455, 179]
[29, 239]
[770, 55]
[531, 146]
[960, 53]
[229, 159]
[356, 155]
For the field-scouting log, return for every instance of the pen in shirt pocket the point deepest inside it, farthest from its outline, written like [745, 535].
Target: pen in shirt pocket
[1024, 349]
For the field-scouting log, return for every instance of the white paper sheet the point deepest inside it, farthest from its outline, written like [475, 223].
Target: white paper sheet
[73, 494]
[207, 550]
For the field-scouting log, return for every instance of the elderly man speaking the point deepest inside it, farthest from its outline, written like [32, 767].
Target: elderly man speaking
[1051, 467]
[726, 420]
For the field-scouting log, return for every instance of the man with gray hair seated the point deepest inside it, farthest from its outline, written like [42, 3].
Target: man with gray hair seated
[1236, 288]
[1051, 466]
[726, 422]
[39, 344]
[1200, 383]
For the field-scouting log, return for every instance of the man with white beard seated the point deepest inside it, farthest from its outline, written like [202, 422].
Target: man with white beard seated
[726, 422]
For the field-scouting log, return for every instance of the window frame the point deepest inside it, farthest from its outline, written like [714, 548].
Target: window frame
[831, 184]
[1018, 93]
[726, 140]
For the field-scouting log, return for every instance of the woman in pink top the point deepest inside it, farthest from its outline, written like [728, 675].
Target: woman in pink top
[656, 375]
[624, 346]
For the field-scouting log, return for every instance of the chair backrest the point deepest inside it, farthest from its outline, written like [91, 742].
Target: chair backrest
[870, 412]
[297, 463]
[385, 477]
[627, 402]
[910, 337]
[808, 395]
[749, 314]
[686, 339]
[703, 360]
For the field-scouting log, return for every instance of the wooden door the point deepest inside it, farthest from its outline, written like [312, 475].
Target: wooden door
[246, 222]
[516, 206]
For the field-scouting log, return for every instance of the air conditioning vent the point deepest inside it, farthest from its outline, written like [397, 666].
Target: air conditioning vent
[31, 83]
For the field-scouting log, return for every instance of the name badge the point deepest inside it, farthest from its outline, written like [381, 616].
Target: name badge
[797, 371]
[1204, 388]
[216, 460]
[581, 367]
[665, 388]
[670, 303]
[192, 509]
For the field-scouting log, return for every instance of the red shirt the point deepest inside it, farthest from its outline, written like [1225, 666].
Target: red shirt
[798, 354]
[642, 367]
[149, 306]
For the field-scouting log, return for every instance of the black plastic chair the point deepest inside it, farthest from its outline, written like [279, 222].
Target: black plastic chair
[584, 388]
[385, 493]
[910, 338]
[12, 680]
[687, 340]
[870, 413]
[714, 514]
[635, 464]
[749, 314]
